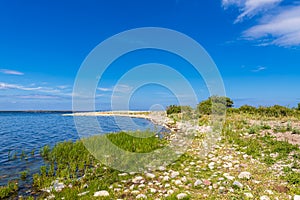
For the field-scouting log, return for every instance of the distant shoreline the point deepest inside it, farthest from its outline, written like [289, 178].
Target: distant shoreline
[135, 114]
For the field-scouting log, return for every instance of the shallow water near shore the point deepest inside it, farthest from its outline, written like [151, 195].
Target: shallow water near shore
[22, 134]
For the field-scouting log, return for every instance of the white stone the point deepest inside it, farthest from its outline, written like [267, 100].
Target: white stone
[123, 174]
[264, 198]
[137, 179]
[102, 193]
[57, 186]
[297, 197]
[249, 195]
[211, 165]
[181, 196]
[166, 178]
[132, 187]
[174, 174]
[270, 192]
[149, 175]
[197, 183]
[244, 175]
[152, 190]
[178, 182]
[238, 184]
[161, 168]
[231, 178]
[141, 196]
[83, 193]
[183, 179]
[135, 192]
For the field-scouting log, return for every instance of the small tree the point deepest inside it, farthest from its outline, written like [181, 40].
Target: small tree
[214, 104]
[173, 109]
[298, 106]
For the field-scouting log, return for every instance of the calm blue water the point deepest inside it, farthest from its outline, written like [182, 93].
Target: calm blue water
[27, 132]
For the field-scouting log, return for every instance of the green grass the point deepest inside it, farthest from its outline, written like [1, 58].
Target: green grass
[24, 175]
[258, 145]
[70, 160]
[9, 189]
[296, 131]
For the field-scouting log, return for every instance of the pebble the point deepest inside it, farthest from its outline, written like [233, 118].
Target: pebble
[249, 195]
[123, 174]
[83, 193]
[297, 197]
[183, 179]
[206, 182]
[141, 196]
[166, 178]
[181, 196]
[137, 179]
[174, 174]
[102, 193]
[152, 190]
[161, 168]
[244, 175]
[264, 198]
[221, 189]
[149, 175]
[231, 178]
[169, 192]
[211, 165]
[197, 183]
[178, 182]
[238, 184]
[135, 192]
[58, 186]
[270, 192]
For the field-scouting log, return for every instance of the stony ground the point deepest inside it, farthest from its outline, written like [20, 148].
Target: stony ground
[245, 164]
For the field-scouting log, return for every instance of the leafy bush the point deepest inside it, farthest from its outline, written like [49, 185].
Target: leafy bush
[174, 109]
[272, 111]
[215, 105]
[9, 189]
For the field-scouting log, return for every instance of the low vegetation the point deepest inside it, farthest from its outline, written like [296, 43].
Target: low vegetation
[249, 162]
[9, 189]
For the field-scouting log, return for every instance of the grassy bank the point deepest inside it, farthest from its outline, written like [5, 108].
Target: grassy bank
[249, 146]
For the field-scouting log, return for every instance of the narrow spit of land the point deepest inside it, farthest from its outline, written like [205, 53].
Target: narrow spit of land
[156, 117]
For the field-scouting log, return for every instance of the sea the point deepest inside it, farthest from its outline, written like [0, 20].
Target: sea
[23, 134]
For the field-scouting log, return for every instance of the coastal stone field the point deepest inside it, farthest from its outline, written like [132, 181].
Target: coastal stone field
[247, 162]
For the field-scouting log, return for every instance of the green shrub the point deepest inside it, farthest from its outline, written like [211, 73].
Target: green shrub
[24, 175]
[9, 189]
[214, 105]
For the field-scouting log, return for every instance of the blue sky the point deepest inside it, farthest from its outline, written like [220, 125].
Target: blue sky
[254, 43]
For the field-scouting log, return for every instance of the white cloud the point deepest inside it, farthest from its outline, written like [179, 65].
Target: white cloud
[32, 87]
[280, 24]
[15, 86]
[63, 87]
[11, 72]
[104, 89]
[122, 88]
[260, 68]
[282, 29]
[36, 96]
[250, 8]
